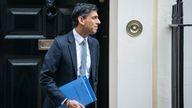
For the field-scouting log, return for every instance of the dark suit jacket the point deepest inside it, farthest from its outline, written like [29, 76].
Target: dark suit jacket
[60, 67]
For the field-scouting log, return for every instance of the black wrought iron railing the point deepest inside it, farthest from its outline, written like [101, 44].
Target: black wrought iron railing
[177, 54]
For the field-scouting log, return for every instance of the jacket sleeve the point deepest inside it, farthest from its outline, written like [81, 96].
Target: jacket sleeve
[47, 74]
[97, 70]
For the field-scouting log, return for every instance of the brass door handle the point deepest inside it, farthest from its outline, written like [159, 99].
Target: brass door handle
[44, 44]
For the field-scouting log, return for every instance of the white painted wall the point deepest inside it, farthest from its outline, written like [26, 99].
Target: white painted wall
[134, 55]
[187, 19]
[164, 52]
[140, 67]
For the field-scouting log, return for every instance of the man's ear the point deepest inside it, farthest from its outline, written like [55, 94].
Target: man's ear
[81, 20]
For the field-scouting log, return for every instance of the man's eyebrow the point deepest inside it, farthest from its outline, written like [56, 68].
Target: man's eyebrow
[96, 16]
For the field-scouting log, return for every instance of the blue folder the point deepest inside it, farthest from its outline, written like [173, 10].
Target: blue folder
[79, 90]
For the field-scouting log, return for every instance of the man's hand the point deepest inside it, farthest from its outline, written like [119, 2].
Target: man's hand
[74, 104]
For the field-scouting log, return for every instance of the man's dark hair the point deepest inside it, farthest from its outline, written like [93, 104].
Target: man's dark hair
[82, 9]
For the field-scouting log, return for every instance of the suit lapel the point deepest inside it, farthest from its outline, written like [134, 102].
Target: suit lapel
[91, 49]
[72, 50]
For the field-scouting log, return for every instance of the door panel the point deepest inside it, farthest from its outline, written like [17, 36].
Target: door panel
[24, 23]
[23, 83]
[20, 64]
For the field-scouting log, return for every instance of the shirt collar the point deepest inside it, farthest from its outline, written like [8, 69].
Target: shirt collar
[78, 37]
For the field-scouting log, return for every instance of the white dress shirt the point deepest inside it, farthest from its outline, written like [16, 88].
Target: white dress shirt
[78, 40]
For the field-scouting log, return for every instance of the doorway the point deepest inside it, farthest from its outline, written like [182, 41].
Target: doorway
[24, 25]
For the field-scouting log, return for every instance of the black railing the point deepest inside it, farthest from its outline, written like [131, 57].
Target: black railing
[177, 54]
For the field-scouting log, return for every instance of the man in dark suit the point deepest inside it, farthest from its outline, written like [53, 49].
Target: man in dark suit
[63, 61]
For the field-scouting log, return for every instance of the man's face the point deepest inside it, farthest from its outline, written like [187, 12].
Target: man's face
[91, 23]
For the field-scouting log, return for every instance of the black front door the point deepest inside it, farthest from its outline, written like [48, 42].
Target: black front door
[27, 28]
